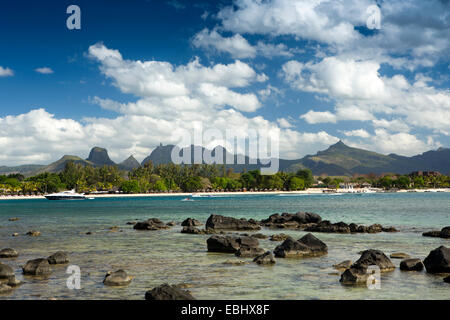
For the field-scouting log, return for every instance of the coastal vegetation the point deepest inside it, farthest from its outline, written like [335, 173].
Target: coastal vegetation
[204, 177]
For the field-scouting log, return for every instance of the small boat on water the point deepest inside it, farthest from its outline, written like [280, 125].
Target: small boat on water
[66, 195]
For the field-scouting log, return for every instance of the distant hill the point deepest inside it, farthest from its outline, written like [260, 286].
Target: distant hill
[25, 169]
[59, 165]
[99, 156]
[129, 164]
[338, 159]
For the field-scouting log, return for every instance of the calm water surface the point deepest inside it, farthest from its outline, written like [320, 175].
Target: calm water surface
[155, 257]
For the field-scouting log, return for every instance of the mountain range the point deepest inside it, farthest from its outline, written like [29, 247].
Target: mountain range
[338, 159]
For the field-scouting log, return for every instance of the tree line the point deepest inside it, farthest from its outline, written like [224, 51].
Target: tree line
[193, 178]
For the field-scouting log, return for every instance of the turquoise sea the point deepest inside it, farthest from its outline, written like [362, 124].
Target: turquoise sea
[156, 257]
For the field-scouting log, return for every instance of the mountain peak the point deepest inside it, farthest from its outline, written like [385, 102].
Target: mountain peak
[129, 164]
[99, 156]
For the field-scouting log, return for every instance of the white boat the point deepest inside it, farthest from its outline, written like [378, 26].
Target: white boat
[66, 195]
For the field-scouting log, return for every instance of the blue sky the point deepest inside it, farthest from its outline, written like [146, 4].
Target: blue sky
[139, 72]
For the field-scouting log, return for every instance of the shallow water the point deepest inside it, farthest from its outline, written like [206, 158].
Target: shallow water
[155, 257]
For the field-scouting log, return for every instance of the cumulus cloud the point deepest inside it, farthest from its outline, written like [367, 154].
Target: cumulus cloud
[44, 70]
[361, 93]
[6, 72]
[418, 30]
[171, 100]
[237, 46]
[357, 133]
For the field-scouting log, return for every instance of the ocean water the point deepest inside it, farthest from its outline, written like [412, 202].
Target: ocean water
[156, 257]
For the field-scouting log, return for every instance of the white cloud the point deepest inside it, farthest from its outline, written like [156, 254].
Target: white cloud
[361, 93]
[237, 46]
[399, 143]
[314, 117]
[357, 133]
[284, 123]
[6, 72]
[170, 100]
[44, 70]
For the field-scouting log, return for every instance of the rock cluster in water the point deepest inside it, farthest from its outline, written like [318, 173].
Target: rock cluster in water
[37, 267]
[8, 253]
[444, 233]
[241, 246]
[358, 272]
[291, 221]
[306, 246]
[218, 222]
[342, 227]
[151, 224]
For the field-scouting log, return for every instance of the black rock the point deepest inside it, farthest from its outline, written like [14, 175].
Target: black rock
[438, 261]
[291, 248]
[447, 279]
[168, 292]
[8, 253]
[37, 267]
[411, 265]
[291, 221]
[151, 224]
[59, 257]
[218, 222]
[6, 271]
[117, 278]
[374, 257]
[343, 265]
[230, 244]
[249, 252]
[189, 222]
[265, 258]
[278, 237]
[314, 244]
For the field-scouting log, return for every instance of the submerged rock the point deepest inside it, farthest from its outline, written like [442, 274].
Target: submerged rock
[171, 223]
[14, 219]
[235, 262]
[151, 224]
[438, 260]
[4, 288]
[168, 292]
[15, 234]
[194, 230]
[444, 233]
[8, 253]
[218, 222]
[265, 259]
[259, 236]
[399, 255]
[6, 271]
[343, 265]
[411, 265]
[59, 257]
[190, 222]
[278, 237]
[308, 245]
[37, 267]
[117, 278]
[249, 252]
[33, 233]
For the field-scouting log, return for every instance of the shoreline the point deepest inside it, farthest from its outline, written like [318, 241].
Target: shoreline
[312, 191]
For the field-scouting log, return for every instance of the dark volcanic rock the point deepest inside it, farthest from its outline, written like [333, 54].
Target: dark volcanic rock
[265, 259]
[438, 261]
[308, 245]
[399, 255]
[315, 245]
[151, 224]
[194, 230]
[230, 244]
[189, 222]
[117, 278]
[259, 236]
[278, 237]
[6, 271]
[5, 288]
[168, 292]
[99, 157]
[218, 222]
[444, 233]
[358, 272]
[8, 253]
[249, 252]
[411, 265]
[327, 226]
[291, 221]
[343, 265]
[447, 279]
[59, 257]
[33, 233]
[37, 267]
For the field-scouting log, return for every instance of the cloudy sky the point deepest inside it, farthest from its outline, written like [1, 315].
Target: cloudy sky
[139, 73]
